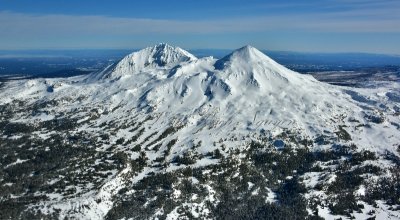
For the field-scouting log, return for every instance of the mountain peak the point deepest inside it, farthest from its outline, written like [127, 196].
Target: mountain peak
[247, 49]
[244, 56]
[161, 47]
[160, 55]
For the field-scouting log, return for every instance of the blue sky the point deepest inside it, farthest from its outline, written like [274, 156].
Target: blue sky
[311, 26]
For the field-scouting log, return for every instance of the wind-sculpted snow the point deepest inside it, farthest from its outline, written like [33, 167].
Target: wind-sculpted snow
[160, 111]
[161, 56]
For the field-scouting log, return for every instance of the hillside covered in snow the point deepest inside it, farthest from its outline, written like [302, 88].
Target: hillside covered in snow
[165, 135]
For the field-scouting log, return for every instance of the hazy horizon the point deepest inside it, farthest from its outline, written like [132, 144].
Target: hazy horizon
[43, 51]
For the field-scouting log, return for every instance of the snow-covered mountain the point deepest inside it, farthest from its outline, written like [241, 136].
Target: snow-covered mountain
[140, 125]
[159, 56]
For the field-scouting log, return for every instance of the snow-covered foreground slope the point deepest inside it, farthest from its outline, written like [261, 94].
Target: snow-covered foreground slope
[161, 111]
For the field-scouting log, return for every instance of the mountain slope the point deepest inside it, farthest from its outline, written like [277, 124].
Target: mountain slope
[145, 137]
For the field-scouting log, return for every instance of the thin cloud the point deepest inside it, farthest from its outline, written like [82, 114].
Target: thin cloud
[313, 30]
[17, 24]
